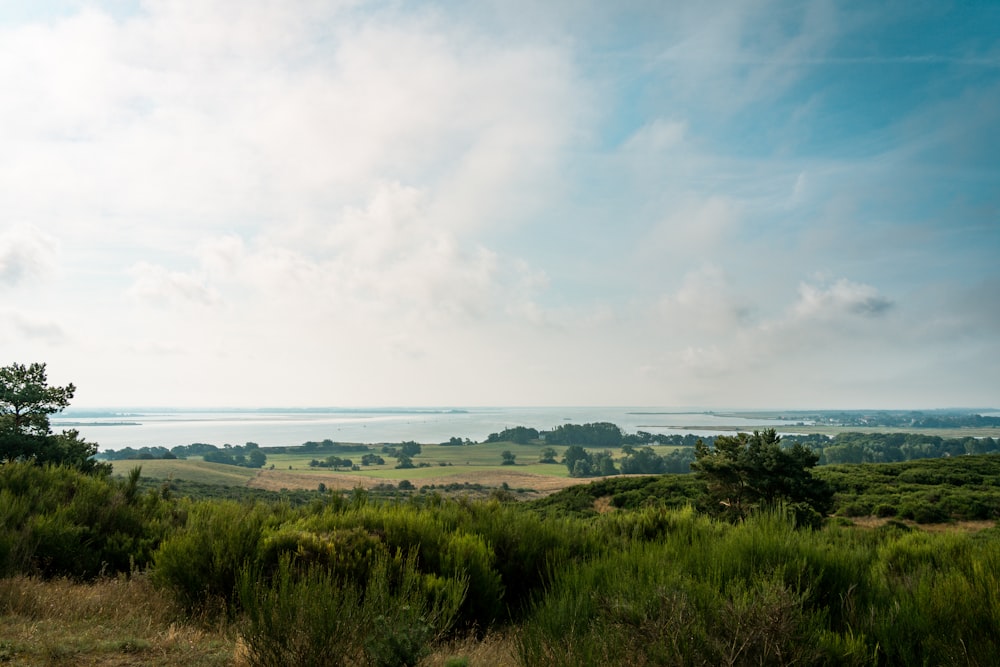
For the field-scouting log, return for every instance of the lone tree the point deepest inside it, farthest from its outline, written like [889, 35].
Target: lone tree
[26, 402]
[748, 472]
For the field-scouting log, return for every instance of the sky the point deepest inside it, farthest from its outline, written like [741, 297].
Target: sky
[251, 203]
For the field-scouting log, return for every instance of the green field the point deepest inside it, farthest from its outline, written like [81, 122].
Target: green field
[193, 470]
[436, 466]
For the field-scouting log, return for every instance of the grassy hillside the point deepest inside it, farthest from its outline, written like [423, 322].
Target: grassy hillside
[192, 470]
[965, 488]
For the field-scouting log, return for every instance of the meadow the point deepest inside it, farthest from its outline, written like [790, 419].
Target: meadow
[436, 465]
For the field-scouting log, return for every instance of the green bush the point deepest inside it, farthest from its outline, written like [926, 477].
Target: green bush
[304, 614]
[764, 593]
[639, 608]
[885, 510]
[939, 600]
[200, 562]
[347, 552]
[299, 616]
[57, 521]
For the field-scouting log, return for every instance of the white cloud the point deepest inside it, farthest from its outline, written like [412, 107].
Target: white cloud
[706, 301]
[705, 361]
[39, 329]
[348, 196]
[726, 60]
[158, 286]
[694, 226]
[26, 253]
[211, 116]
[841, 298]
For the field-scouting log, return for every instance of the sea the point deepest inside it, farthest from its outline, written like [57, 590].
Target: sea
[115, 428]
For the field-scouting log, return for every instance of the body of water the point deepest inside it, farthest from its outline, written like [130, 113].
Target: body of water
[118, 428]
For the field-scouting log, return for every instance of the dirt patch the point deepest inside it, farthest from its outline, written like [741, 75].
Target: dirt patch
[959, 526]
[954, 526]
[603, 505]
[276, 480]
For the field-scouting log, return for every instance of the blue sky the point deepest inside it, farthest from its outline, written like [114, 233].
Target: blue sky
[725, 205]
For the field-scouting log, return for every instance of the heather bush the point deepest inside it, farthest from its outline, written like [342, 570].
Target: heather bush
[303, 613]
[57, 521]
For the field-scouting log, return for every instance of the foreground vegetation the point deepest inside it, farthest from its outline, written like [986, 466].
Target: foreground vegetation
[347, 580]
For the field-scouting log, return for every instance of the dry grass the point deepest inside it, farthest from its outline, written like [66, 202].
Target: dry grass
[954, 526]
[493, 650]
[603, 505]
[275, 480]
[121, 622]
[125, 622]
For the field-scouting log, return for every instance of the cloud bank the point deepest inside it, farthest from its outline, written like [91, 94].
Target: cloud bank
[353, 203]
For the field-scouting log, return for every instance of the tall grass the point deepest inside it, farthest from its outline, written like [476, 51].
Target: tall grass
[200, 563]
[308, 616]
[378, 583]
[764, 593]
[58, 522]
[939, 600]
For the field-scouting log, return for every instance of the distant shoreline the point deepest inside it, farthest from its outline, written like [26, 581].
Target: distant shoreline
[88, 424]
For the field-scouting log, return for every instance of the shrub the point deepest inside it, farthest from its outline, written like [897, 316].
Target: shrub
[938, 600]
[200, 563]
[306, 615]
[57, 521]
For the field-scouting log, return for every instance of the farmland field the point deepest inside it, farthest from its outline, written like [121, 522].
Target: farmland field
[436, 465]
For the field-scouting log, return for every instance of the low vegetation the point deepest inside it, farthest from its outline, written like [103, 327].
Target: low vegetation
[654, 581]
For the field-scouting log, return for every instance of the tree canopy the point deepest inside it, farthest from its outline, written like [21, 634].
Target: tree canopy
[26, 403]
[745, 472]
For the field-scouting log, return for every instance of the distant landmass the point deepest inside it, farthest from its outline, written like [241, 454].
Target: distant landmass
[944, 418]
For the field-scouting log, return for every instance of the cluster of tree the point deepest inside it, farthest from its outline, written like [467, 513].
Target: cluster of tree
[455, 441]
[582, 463]
[26, 403]
[746, 472]
[602, 434]
[637, 461]
[548, 455]
[248, 456]
[407, 448]
[955, 421]
[194, 449]
[645, 461]
[334, 462]
[897, 418]
[372, 460]
[133, 454]
[599, 434]
[669, 439]
[326, 445]
[895, 447]
[520, 435]
[403, 453]
[368, 459]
